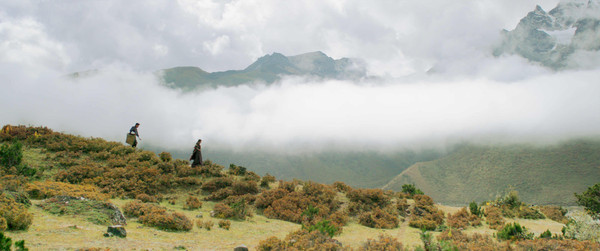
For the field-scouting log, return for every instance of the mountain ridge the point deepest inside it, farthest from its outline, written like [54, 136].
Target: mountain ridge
[267, 69]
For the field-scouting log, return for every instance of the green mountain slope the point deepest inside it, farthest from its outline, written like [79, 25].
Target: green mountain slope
[267, 69]
[541, 175]
[360, 169]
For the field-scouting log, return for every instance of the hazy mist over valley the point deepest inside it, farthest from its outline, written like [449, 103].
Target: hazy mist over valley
[431, 77]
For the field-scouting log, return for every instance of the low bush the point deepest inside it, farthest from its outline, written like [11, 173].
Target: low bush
[475, 209]
[403, 207]
[266, 180]
[157, 216]
[411, 190]
[555, 213]
[424, 214]
[341, 187]
[384, 242]
[553, 244]
[301, 240]
[47, 189]
[225, 224]
[462, 241]
[237, 170]
[583, 227]
[216, 184]
[378, 218]
[493, 216]
[15, 214]
[365, 200]
[223, 211]
[145, 198]
[192, 203]
[271, 244]
[514, 231]
[206, 224]
[165, 156]
[530, 213]
[324, 226]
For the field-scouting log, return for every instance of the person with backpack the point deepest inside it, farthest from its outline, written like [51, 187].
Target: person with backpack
[133, 132]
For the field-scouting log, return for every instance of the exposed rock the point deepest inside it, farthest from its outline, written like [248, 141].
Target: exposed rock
[551, 38]
[116, 230]
[241, 248]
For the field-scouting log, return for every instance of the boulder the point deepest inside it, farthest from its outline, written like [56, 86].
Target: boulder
[116, 230]
[241, 248]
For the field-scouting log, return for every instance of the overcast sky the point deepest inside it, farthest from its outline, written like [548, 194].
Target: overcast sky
[475, 96]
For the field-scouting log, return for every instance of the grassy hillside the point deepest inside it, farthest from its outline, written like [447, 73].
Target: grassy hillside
[541, 175]
[60, 192]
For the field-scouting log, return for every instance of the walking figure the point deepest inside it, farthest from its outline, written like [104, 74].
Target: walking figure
[196, 157]
[133, 132]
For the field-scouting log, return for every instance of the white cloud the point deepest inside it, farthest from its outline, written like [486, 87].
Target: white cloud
[472, 96]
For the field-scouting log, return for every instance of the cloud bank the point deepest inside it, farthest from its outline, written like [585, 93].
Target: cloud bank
[470, 96]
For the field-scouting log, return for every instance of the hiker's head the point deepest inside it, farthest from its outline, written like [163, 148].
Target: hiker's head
[200, 140]
[137, 125]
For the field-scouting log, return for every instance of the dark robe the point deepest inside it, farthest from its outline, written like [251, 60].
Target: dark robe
[196, 157]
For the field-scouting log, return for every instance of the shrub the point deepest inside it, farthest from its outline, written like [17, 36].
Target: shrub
[3, 225]
[166, 221]
[237, 170]
[582, 227]
[206, 224]
[341, 187]
[244, 187]
[225, 224]
[530, 213]
[555, 213]
[461, 241]
[411, 189]
[15, 214]
[11, 154]
[315, 240]
[493, 216]
[546, 234]
[216, 184]
[590, 200]
[145, 198]
[459, 219]
[475, 209]
[384, 242]
[165, 156]
[424, 214]
[192, 203]
[271, 243]
[6, 243]
[550, 244]
[47, 189]
[378, 218]
[223, 211]
[323, 226]
[266, 198]
[264, 182]
[365, 200]
[514, 231]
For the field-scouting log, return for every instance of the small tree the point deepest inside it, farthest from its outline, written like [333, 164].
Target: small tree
[411, 189]
[475, 209]
[11, 154]
[590, 200]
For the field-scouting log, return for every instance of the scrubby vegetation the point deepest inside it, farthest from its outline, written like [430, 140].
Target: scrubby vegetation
[76, 176]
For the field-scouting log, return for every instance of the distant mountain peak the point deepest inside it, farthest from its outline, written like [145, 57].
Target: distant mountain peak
[268, 69]
[550, 38]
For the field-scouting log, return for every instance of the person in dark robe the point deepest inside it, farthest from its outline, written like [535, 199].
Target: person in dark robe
[196, 157]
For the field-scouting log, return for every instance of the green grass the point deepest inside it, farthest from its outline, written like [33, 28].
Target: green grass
[541, 175]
